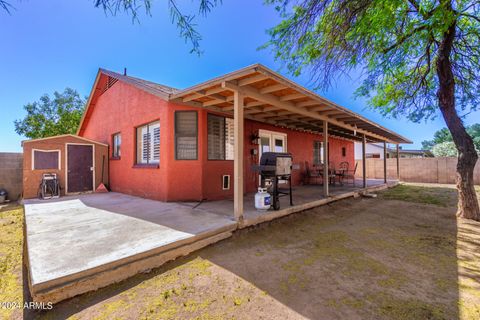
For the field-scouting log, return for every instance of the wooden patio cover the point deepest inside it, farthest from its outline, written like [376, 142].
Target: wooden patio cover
[274, 99]
[260, 94]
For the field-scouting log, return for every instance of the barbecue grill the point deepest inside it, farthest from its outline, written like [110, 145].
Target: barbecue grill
[275, 167]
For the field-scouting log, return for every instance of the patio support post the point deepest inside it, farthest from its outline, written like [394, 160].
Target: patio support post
[238, 155]
[326, 173]
[385, 161]
[398, 163]
[364, 160]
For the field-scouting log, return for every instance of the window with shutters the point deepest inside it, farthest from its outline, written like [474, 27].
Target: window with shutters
[220, 138]
[186, 135]
[148, 143]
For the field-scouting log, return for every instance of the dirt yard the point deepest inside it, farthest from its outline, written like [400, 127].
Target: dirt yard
[402, 255]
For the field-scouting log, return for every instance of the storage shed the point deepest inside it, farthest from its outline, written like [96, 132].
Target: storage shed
[78, 162]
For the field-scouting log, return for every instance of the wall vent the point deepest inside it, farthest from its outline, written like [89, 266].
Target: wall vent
[226, 182]
[110, 82]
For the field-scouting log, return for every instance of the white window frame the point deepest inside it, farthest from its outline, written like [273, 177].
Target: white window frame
[151, 147]
[229, 143]
[41, 150]
[118, 154]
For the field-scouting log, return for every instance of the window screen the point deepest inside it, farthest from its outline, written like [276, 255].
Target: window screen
[317, 152]
[43, 159]
[186, 135]
[148, 143]
[220, 138]
[117, 141]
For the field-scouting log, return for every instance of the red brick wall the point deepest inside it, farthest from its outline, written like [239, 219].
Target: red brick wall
[124, 107]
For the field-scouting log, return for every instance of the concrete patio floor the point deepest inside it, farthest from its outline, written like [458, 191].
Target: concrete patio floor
[77, 236]
[304, 197]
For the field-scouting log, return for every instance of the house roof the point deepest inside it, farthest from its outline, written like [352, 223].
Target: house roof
[412, 151]
[269, 98]
[152, 87]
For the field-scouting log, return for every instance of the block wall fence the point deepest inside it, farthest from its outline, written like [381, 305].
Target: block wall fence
[11, 174]
[426, 170]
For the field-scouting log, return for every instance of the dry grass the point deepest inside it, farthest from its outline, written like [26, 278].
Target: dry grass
[403, 255]
[11, 242]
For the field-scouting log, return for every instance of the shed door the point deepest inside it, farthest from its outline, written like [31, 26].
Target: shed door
[80, 168]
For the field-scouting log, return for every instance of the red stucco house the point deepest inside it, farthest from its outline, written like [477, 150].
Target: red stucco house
[177, 145]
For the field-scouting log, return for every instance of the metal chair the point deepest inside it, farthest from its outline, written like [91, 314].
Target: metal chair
[342, 170]
[311, 174]
[350, 174]
[331, 172]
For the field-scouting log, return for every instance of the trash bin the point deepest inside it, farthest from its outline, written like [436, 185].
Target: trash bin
[3, 195]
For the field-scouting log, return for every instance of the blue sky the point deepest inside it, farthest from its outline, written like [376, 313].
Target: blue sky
[50, 45]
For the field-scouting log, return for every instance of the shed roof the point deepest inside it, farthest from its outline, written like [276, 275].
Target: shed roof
[63, 136]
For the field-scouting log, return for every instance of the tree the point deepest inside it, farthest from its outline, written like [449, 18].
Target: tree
[52, 116]
[445, 149]
[444, 135]
[416, 57]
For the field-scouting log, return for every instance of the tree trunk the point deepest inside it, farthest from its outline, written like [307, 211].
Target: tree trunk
[467, 155]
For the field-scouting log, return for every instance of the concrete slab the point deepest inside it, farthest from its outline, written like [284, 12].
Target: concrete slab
[72, 237]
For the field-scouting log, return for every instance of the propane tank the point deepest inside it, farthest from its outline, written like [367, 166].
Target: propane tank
[262, 199]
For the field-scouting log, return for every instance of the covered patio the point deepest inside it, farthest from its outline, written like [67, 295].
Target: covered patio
[260, 94]
[305, 197]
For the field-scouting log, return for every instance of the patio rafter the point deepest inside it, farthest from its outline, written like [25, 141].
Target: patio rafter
[291, 107]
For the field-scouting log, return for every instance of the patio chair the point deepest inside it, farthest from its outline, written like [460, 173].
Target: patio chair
[311, 174]
[331, 172]
[350, 174]
[342, 170]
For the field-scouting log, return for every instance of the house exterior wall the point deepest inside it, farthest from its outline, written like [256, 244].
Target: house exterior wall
[124, 107]
[370, 148]
[32, 178]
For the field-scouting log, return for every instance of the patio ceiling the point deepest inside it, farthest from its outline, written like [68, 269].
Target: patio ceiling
[272, 98]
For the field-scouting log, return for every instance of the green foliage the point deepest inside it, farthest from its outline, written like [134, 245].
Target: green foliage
[444, 135]
[394, 42]
[439, 136]
[52, 116]
[445, 149]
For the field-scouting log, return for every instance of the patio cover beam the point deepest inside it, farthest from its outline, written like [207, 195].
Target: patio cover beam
[385, 161]
[291, 107]
[398, 162]
[326, 173]
[238, 155]
[364, 162]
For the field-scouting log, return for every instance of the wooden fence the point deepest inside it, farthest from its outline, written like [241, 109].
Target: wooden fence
[428, 170]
